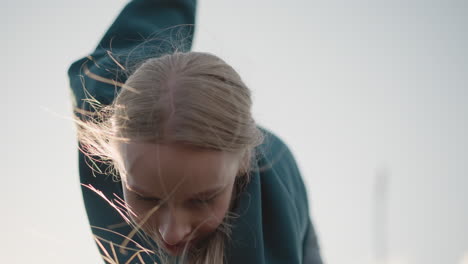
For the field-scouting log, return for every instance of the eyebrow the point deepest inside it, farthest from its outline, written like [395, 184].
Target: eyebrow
[206, 193]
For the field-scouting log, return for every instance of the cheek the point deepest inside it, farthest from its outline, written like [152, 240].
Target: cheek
[212, 215]
[139, 215]
[136, 209]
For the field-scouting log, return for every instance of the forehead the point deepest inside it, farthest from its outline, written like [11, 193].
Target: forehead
[161, 168]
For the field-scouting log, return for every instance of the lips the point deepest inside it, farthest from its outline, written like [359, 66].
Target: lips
[175, 249]
[178, 248]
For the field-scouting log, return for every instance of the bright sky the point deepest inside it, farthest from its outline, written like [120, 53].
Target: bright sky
[356, 90]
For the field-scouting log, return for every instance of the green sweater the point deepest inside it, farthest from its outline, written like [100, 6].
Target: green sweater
[274, 226]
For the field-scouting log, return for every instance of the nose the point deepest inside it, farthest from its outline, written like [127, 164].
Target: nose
[174, 227]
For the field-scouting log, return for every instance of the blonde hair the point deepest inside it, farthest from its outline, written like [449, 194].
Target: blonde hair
[190, 98]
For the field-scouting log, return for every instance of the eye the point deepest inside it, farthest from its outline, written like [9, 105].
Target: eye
[146, 199]
[201, 201]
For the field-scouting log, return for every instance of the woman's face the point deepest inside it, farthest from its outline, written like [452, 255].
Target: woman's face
[197, 183]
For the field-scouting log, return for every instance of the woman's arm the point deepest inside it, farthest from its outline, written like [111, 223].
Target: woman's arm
[144, 28]
[139, 21]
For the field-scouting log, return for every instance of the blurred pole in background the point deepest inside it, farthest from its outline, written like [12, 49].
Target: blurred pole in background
[380, 214]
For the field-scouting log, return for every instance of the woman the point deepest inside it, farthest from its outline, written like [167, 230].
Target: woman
[197, 180]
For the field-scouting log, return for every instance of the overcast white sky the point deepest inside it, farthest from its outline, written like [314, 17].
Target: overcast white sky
[354, 88]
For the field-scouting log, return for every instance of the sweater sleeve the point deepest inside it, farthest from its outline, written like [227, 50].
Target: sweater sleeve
[141, 27]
